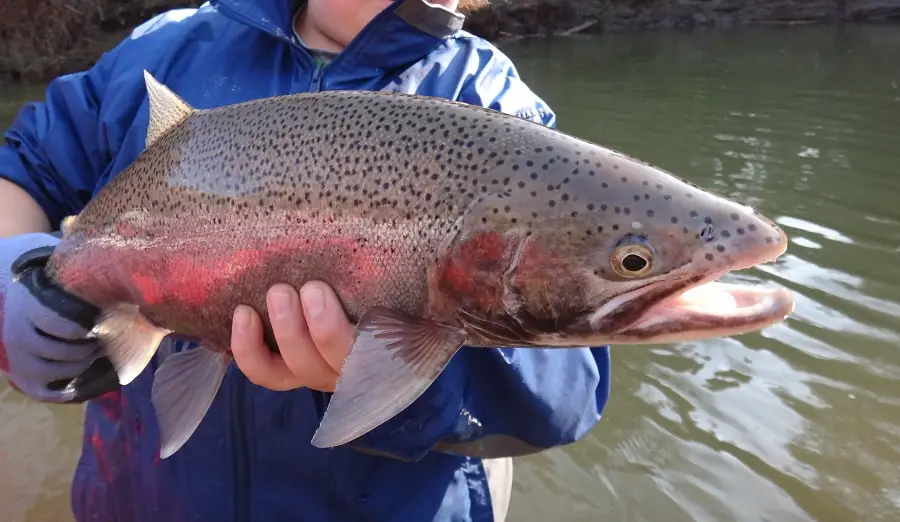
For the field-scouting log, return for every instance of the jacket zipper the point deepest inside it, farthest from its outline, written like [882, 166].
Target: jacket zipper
[316, 83]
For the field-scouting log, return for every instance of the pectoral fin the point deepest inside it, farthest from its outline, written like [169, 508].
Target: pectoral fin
[130, 340]
[184, 387]
[393, 361]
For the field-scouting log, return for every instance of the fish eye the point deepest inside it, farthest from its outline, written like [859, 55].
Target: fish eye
[632, 260]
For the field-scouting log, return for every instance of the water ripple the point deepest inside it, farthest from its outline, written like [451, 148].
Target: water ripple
[798, 421]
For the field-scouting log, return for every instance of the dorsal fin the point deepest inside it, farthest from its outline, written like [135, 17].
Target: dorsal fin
[167, 109]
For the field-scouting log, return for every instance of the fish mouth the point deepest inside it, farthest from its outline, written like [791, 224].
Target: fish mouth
[701, 307]
[711, 309]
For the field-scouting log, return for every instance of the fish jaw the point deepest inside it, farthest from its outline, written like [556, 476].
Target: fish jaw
[708, 310]
[692, 304]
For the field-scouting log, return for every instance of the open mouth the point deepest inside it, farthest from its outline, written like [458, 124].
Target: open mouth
[712, 308]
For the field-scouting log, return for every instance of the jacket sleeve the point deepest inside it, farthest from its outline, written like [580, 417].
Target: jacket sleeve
[55, 148]
[502, 401]
[58, 148]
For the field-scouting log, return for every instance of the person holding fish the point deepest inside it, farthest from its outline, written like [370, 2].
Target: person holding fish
[250, 458]
[197, 184]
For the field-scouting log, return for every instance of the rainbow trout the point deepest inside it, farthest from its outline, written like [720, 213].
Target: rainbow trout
[439, 224]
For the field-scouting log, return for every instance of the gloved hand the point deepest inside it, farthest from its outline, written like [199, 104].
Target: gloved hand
[45, 351]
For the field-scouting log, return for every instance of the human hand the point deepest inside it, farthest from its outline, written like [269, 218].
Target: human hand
[44, 349]
[313, 334]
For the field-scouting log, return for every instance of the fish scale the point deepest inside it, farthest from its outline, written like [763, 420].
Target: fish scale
[437, 224]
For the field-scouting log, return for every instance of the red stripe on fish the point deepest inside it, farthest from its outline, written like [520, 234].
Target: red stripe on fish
[154, 276]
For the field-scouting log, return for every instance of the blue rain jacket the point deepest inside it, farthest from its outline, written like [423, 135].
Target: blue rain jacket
[250, 459]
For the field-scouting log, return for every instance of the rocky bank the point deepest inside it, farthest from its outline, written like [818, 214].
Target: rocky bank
[43, 38]
[517, 18]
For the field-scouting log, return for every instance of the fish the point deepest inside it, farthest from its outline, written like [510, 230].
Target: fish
[438, 223]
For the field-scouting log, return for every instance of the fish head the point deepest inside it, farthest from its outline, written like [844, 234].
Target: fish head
[611, 250]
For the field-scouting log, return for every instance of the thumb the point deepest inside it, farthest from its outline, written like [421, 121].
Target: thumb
[329, 327]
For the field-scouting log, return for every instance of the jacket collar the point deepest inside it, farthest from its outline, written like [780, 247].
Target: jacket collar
[400, 35]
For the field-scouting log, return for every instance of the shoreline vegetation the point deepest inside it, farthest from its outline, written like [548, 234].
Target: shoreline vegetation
[43, 39]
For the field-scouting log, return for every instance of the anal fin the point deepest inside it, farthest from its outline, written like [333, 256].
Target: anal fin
[184, 387]
[129, 339]
[394, 359]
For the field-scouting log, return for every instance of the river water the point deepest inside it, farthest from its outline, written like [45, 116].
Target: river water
[799, 422]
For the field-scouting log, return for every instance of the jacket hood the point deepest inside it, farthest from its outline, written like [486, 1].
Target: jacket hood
[403, 33]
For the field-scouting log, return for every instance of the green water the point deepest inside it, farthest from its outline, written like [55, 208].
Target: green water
[798, 422]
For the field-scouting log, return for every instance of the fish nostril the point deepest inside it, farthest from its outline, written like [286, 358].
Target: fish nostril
[708, 232]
